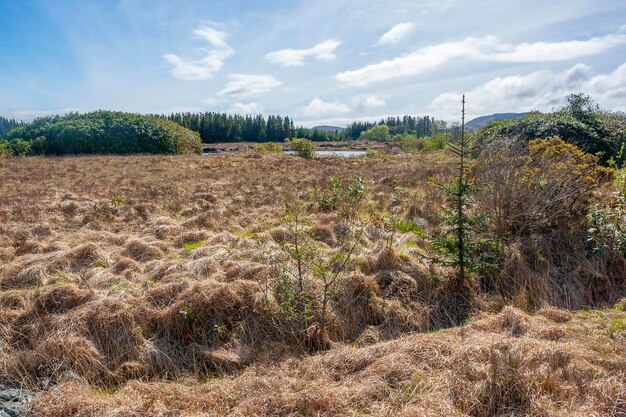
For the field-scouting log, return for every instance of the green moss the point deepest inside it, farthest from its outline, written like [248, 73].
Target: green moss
[193, 245]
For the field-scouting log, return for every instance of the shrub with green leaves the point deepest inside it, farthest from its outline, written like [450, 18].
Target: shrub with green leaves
[303, 147]
[341, 195]
[580, 122]
[102, 132]
[607, 224]
[378, 133]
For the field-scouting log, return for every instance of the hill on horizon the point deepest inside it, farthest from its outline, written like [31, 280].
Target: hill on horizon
[326, 128]
[485, 120]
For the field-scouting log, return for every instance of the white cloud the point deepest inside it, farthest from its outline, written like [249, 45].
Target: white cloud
[246, 108]
[212, 101]
[30, 115]
[558, 51]
[213, 36]
[368, 101]
[203, 68]
[396, 34]
[248, 85]
[319, 108]
[539, 90]
[293, 57]
[487, 48]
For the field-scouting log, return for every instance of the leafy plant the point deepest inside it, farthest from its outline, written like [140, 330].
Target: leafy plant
[607, 225]
[341, 195]
[188, 314]
[303, 147]
[306, 273]
[378, 133]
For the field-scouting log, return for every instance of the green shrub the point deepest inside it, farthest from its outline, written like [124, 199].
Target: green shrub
[20, 147]
[5, 149]
[436, 142]
[102, 132]
[341, 195]
[581, 122]
[378, 133]
[303, 147]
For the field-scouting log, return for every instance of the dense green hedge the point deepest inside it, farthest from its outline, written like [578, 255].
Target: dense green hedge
[101, 132]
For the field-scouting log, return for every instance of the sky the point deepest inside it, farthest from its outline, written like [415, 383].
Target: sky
[319, 62]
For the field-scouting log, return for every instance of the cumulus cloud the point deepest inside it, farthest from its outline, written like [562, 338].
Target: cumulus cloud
[246, 108]
[319, 108]
[248, 85]
[539, 90]
[368, 102]
[487, 48]
[293, 57]
[205, 67]
[396, 34]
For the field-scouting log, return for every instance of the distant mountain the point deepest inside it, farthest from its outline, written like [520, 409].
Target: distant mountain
[485, 120]
[326, 128]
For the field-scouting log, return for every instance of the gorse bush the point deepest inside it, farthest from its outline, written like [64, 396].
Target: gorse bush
[543, 186]
[268, 147]
[101, 132]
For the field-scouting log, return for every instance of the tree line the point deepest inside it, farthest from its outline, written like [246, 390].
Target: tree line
[222, 127]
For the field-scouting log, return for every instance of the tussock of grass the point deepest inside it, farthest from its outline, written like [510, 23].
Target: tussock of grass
[476, 370]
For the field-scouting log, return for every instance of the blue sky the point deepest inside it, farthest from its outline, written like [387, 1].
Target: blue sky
[322, 61]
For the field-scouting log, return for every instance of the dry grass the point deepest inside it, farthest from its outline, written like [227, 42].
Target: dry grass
[496, 365]
[135, 286]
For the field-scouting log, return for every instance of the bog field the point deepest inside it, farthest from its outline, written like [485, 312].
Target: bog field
[269, 284]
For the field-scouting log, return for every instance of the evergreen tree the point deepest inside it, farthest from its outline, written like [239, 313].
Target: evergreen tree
[464, 246]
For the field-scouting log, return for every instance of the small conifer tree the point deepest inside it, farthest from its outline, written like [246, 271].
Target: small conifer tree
[464, 245]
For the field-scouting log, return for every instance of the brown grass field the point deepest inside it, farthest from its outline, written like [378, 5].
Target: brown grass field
[137, 286]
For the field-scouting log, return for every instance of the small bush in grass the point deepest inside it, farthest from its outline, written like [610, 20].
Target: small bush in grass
[268, 147]
[436, 142]
[341, 195]
[5, 150]
[303, 147]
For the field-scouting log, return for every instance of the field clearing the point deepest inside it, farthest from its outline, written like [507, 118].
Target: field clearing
[135, 286]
